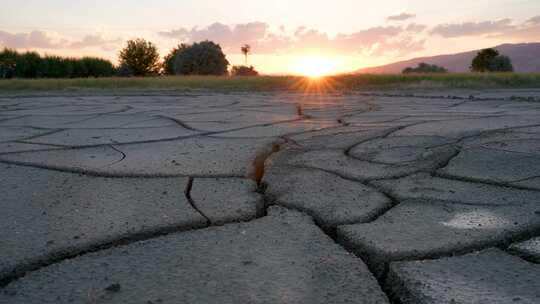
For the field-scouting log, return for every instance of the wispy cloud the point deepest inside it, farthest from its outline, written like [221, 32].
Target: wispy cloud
[95, 41]
[38, 39]
[227, 35]
[416, 28]
[527, 32]
[401, 17]
[504, 29]
[534, 20]
[33, 39]
[452, 30]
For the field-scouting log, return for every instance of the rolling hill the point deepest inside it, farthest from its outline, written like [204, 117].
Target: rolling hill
[525, 58]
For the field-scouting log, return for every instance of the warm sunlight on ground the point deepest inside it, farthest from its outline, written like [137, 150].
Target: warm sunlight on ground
[314, 66]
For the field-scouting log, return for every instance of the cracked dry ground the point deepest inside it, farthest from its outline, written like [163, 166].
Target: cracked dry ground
[271, 198]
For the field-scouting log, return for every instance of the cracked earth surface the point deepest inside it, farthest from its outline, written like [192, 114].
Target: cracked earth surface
[374, 197]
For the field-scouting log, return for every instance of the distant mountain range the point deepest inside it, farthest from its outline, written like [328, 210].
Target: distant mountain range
[525, 58]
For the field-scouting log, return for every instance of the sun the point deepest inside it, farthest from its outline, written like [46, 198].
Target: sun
[315, 66]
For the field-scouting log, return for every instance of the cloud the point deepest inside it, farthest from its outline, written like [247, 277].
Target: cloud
[527, 32]
[504, 29]
[371, 35]
[94, 41]
[377, 40]
[49, 40]
[534, 20]
[400, 17]
[174, 34]
[399, 47]
[452, 30]
[228, 36]
[374, 41]
[415, 28]
[34, 39]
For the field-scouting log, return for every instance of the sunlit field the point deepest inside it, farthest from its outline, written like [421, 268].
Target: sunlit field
[292, 83]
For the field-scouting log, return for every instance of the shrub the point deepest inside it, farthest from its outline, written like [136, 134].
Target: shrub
[124, 71]
[95, 67]
[242, 70]
[203, 58]
[489, 60]
[424, 68]
[141, 57]
[32, 65]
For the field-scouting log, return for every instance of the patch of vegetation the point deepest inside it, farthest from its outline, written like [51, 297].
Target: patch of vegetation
[168, 60]
[425, 68]
[242, 70]
[489, 60]
[139, 58]
[289, 83]
[202, 58]
[31, 65]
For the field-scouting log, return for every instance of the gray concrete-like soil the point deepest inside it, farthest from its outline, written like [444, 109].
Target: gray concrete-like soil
[167, 197]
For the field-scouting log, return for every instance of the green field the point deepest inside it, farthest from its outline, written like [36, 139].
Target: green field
[293, 83]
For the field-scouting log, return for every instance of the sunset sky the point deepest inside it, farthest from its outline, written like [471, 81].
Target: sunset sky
[345, 34]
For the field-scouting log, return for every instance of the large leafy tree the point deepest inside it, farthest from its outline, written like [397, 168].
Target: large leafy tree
[489, 60]
[168, 60]
[202, 58]
[141, 57]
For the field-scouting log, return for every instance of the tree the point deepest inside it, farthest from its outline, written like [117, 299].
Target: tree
[8, 63]
[489, 60]
[141, 57]
[501, 63]
[245, 49]
[425, 68]
[168, 60]
[27, 65]
[124, 71]
[242, 70]
[203, 58]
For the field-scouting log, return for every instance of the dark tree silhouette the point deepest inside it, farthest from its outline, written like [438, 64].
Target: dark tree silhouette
[203, 58]
[168, 60]
[32, 65]
[489, 60]
[8, 63]
[242, 70]
[501, 63]
[141, 57]
[425, 68]
[245, 49]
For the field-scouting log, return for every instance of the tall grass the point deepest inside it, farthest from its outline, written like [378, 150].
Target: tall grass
[269, 83]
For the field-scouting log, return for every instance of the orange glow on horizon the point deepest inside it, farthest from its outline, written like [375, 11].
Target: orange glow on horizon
[315, 66]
